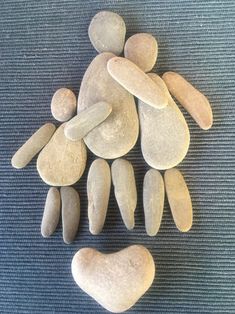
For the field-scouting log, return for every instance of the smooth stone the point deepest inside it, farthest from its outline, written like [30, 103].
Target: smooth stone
[33, 146]
[87, 120]
[63, 104]
[179, 199]
[51, 213]
[142, 49]
[107, 32]
[70, 213]
[165, 135]
[116, 281]
[190, 98]
[117, 135]
[123, 178]
[98, 190]
[135, 81]
[62, 162]
[153, 199]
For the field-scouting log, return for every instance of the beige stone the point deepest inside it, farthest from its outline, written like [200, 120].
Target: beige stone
[190, 98]
[116, 281]
[63, 104]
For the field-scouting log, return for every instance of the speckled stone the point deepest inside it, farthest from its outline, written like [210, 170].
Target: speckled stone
[63, 104]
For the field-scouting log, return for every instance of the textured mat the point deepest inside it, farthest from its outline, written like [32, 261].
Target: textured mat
[44, 46]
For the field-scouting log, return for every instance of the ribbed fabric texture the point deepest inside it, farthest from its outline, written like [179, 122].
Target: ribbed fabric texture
[44, 46]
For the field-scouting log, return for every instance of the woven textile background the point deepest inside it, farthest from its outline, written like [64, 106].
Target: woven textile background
[43, 46]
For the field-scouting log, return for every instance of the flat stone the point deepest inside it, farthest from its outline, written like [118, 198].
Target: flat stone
[179, 199]
[133, 79]
[142, 49]
[86, 120]
[123, 178]
[51, 213]
[190, 98]
[62, 162]
[165, 135]
[117, 135]
[116, 281]
[153, 199]
[98, 190]
[33, 146]
[63, 104]
[107, 32]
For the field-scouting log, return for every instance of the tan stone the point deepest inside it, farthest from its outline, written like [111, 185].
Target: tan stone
[63, 104]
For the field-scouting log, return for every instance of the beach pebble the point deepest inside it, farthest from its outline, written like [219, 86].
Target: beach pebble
[165, 135]
[179, 199]
[123, 178]
[51, 213]
[116, 135]
[135, 81]
[153, 199]
[70, 213]
[190, 98]
[98, 190]
[63, 104]
[116, 281]
[33, 145]
[142, 49]
[87, 120]
[107, 32]
[62, 162]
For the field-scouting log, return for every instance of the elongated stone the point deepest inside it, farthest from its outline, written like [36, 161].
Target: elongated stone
[107, 32]
[142, 49]
[179, 199]
[125, 190]
[190, 98]
[117, 135]
[32, 146]
[62, 162]
[165, 135]
[70, 213]
[63, 104]
[153, 199]
[51, 213]
[98, 190]
[87, 120]
[133, 79]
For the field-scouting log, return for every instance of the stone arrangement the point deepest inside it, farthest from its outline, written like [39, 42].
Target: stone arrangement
[108, 124]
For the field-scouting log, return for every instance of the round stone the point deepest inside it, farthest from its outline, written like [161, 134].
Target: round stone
[63, 104]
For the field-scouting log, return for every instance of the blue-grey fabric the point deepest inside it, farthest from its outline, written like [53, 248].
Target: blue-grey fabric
[44, 46]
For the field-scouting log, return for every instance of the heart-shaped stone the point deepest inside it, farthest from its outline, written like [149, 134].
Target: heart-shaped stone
[116, 281]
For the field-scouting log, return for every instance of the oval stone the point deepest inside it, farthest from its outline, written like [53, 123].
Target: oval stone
[190, 98]
[142, 49]
[51, 213]
[117, 135]
[63, 104]
[87, 120]
[123, 178]
[153, 199]
[179, 199]
[62, 162]
[107, 32]
[165, 135]
[98, 190]
[133, 79]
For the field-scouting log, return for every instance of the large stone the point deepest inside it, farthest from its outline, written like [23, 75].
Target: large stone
[117, 135]
[63, 104]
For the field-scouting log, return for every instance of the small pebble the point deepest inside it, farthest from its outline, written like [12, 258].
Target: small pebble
[51, 213]
[70, 213]
[135, 81]
[190, 98]
[107, 32]
[63, 104]
[87, 120]
[179, 199]
[33, 145]
[123, 178]
[98, 190]
[116, 281]
[142, 49]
